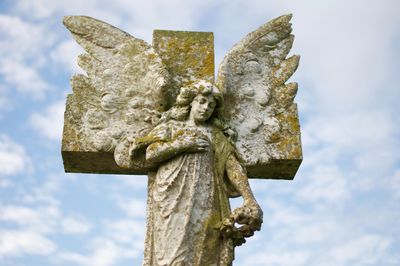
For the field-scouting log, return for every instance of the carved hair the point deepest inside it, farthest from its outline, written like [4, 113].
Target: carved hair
[181, 109]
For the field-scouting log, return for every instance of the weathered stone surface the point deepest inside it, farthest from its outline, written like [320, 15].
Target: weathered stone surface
[96, 117]
[258, 103]
[158, 111]
[106, 107]
[189, 220]
[188, 56]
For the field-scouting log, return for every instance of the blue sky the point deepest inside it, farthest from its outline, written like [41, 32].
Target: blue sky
[343, 208]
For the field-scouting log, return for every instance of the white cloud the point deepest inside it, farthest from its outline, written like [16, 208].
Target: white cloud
[133, 207]
[49, 123]
[314, 232]
[356, 130]
[13, 157]
[276, 258]
[33, 228]
[366, 250]
[5, 103]
[358, 148]
[126, 231]
[281, 215]
[106, 255]
[43, 9]
[38, 220]
[18, 214]
[394, 184]
[21, 39]
[5, 183]
[21, 55]
[44, 193]
[73, 225]
[20, 242]
[324, 184]
[25, 78]
[38, 9]
[138, 183]
[142, 12]
[173, 15]
[103, 252]
[327, 235]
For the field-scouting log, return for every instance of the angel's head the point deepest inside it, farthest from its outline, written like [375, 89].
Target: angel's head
[199, 101]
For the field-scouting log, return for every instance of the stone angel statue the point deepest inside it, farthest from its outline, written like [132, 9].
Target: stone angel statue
[196, 141]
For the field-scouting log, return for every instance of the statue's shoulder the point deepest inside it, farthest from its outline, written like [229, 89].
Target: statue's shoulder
[221, 141]
[168, 128]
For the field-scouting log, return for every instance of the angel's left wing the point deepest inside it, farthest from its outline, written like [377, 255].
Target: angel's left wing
[259, 103]
[122, 94]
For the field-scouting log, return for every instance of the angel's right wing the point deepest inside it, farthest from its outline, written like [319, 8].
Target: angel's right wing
[259, 103]
[122, 95]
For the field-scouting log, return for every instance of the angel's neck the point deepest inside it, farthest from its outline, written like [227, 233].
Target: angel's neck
[195, 123]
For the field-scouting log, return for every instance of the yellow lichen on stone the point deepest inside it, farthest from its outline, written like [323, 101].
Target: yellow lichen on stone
[289, 143]
[189, 56]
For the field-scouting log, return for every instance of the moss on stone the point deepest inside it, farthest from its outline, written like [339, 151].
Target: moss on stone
[189, 56]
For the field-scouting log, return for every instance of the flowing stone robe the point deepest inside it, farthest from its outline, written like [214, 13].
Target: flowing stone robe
[188, 198]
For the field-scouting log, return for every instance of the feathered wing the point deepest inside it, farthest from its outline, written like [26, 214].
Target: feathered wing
[123, 93]
[253, 77]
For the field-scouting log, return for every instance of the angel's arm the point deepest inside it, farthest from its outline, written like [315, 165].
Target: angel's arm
[141, 143]
[162, 151]
[250, 214]
[160, 133]
[238, 177]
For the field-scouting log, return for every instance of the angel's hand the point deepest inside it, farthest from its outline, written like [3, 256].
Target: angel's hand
[194, 143]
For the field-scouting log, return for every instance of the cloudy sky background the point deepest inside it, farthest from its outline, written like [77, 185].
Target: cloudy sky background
[343, 208]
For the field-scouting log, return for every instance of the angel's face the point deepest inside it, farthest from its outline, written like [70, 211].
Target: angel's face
[202, 108]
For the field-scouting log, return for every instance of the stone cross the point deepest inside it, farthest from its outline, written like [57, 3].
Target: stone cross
[157, 110]
[187, 56]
